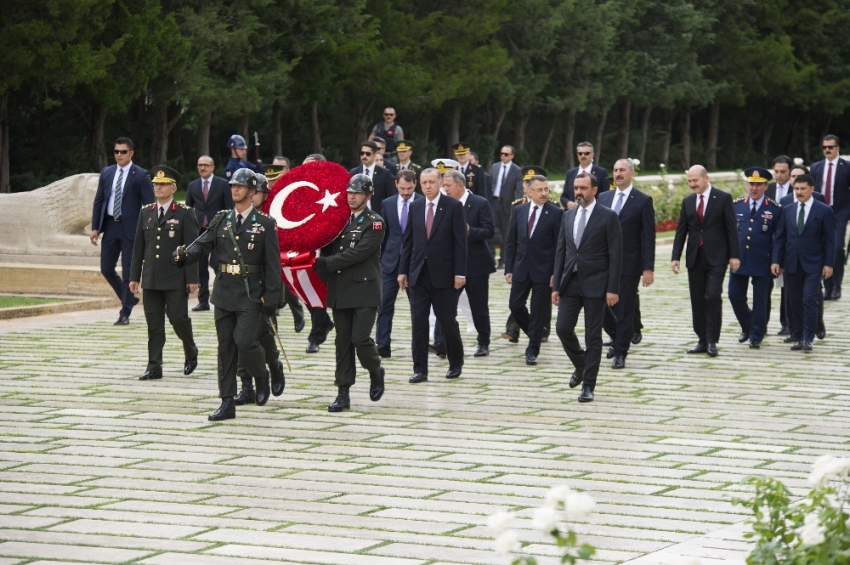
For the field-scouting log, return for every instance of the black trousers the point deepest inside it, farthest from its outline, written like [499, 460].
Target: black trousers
[267, 340]
[389, 293]
[294, 304]
[444, 300]
[804, 299]
[204, 264]
[841, 218]
[706, 289]
[638, 323]
[237, 342]
[478, 293]
[321, 325]
[174, 303]
[501, 223]
[620, 321]
[354, 337]
[112, 245]
[571, 304]
[531, 321]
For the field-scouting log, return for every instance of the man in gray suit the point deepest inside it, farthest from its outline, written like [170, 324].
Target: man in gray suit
[507, 187]
[588, 262]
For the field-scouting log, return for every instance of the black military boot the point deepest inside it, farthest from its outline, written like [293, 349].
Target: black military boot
[246, 395]
[342, 402]
[263, 389]
[278, 378]
[376, 388]
[227, 410]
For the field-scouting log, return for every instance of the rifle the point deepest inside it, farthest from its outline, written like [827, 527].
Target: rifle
[257, 148]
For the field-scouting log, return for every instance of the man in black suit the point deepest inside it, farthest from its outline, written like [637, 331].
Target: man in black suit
[507, 187]
[587, 275]
[777, 191]
[383, 182]
[832, 179]
[433, 266]
[637, 224]
[396, 219]
[475, 180]
[207, 194]
[707, 221]
[122, 190]
[584, 152]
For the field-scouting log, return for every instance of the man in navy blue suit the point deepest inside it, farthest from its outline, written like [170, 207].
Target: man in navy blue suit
[804, 249]
[637, 224]
[396, 216]
[584, 152]
[832, 179]
[122, 190]
[433, 267]
[383, 182]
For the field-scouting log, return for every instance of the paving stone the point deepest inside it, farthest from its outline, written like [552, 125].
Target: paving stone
[78, 553]
[304, 556]
[114, 541]
[284, 539]
[117, 528]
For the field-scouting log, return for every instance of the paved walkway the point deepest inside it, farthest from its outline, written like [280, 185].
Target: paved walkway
[98, 467]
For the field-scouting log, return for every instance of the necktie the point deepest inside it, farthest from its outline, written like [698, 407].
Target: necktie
[827, 191]
[403, 221]
[531, 221]
[753, 210]
[429, 220]
[501, 180]
[582, 222]
[700, 212]
[119, 188]
[365, 171]
[161, 213]
[351, 219]
[238, 221]
[619, 205]
[801, 219]
[206, 189]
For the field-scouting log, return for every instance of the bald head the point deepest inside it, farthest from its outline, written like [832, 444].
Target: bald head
[698, 179]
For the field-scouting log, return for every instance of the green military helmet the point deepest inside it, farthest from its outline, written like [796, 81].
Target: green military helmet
[245, 177]
[262, 183]
[360, 183]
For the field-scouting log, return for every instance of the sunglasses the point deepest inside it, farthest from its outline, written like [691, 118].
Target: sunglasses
[365, 153]
[583, 153]
[389, 115]
[506, 154]
[829, 147]
[121, 151]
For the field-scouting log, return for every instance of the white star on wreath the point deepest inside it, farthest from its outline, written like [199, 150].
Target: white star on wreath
[328, 200]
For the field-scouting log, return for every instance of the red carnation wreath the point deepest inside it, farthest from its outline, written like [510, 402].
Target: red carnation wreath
[310, 206]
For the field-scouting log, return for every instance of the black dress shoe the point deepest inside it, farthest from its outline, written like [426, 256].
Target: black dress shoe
[790, 339]
[802, 346]
[227, 411]
[610, 354]
[783, 330]
[299, 325]
[452, 373]
[742, 337]
[376, 387]
[201, 306]
[312, 347]
[418, 378]
[544, 339]
[135, 301]
[439, 349]
[827, 295]
[637, 337]
[481, 351]
[586, 394]
[608, 342]
[263, 389]
[755, 344]
[711, 350]
[512, 337]
[384, 352]
[530, 359]
[122, 321]
[577, 378]
[836, 293]
[342, 402]
[190, 366]
[698, 348]
[245, 396]
[278, 378]
[821, 333]
[150, 376]
[619, 362]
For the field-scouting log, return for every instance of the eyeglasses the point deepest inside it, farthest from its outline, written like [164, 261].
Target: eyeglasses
[389, 115]
[204, 164]
[825, 147]
[539, 190]
[506, 154]
[365, 153]
[121, 151]
[583, 153]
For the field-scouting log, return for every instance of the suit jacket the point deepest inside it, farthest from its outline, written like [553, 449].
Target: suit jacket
[840, 182]
[353, 263]
[479, 218]
[603, 184]
[637, 224]
[533, 257]
[383, 186]
[154, 244]
[219, 198]
[755, 235]
[475, 180]
[771, 192]
[719, 231]
[445, 250]
[599, 257]
[138, 191]
[811, 250]
[511, 187]
[391, 247]
[789, 198]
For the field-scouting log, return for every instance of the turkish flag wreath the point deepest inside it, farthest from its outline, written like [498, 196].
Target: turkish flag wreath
[310, 206]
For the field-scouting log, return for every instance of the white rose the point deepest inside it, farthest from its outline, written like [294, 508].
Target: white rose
[812, 532]
[662, 166]
[546, 519]
[557, 496]
[798, 161]
[579, 505]
[500, 521]
[827, 468]
[636, 162]
[507, 543]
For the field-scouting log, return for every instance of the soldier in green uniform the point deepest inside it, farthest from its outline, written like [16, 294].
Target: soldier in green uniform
[353, 265]
[247, 286]
[265, 334]
[161, 228]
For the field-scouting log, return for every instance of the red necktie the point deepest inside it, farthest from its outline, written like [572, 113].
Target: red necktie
[429, 220]
[206, 194]
[531, 221]
[827, 190]
[700, 214]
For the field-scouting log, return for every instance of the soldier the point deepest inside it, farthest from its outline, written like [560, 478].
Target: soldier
[161, 228]
[474, 174]
[405, 150]
[353, 265]
[238, 150]
[246, 287]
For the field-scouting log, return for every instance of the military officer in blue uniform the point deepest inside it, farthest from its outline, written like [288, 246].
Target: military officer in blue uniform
[238, 150]
[757, 217]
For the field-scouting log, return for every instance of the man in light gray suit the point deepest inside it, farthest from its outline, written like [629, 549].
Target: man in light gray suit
[507, 187]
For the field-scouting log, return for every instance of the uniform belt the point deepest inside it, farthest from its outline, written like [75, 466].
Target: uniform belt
[237, 269]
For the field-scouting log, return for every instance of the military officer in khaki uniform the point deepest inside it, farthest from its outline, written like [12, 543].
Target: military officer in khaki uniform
[247, 286]
[161, 228]
[353, 265]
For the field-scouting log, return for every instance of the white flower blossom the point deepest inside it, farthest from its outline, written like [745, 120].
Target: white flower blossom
[500, 521]
[812, 532]
[636, 162]
[579, 505]
[557, 496]
[798, 161]
[828, 468]
[507, 543]
[546, 519]
[662, 166]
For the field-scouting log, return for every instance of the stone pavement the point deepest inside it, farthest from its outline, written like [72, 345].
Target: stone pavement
[98, 467]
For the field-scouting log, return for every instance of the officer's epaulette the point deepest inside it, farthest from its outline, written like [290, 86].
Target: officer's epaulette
[183, 206]
[741, 199]
[264, 215]
[517, 201]
[774, 202]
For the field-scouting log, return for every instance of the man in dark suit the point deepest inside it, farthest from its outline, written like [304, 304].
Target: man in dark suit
[832, 179]
[776, 191]
[383, 182]
[707, 221]
[122, 190]
[208, 195]
[433, 266]
[584, 152]
[637, 224]
[507, 187]
[475, 180]
[804, 248]
[396, 219]
[587, 275]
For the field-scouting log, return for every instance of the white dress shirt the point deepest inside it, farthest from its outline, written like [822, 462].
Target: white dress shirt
[400, 204]
[782, 190]
[531, 210]
[110, 206]
[578, 210]
[503, 174]
[705, 196]
[369, 171]
[625, 198]
[164, 207]
[436, 202]
[806, 210]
